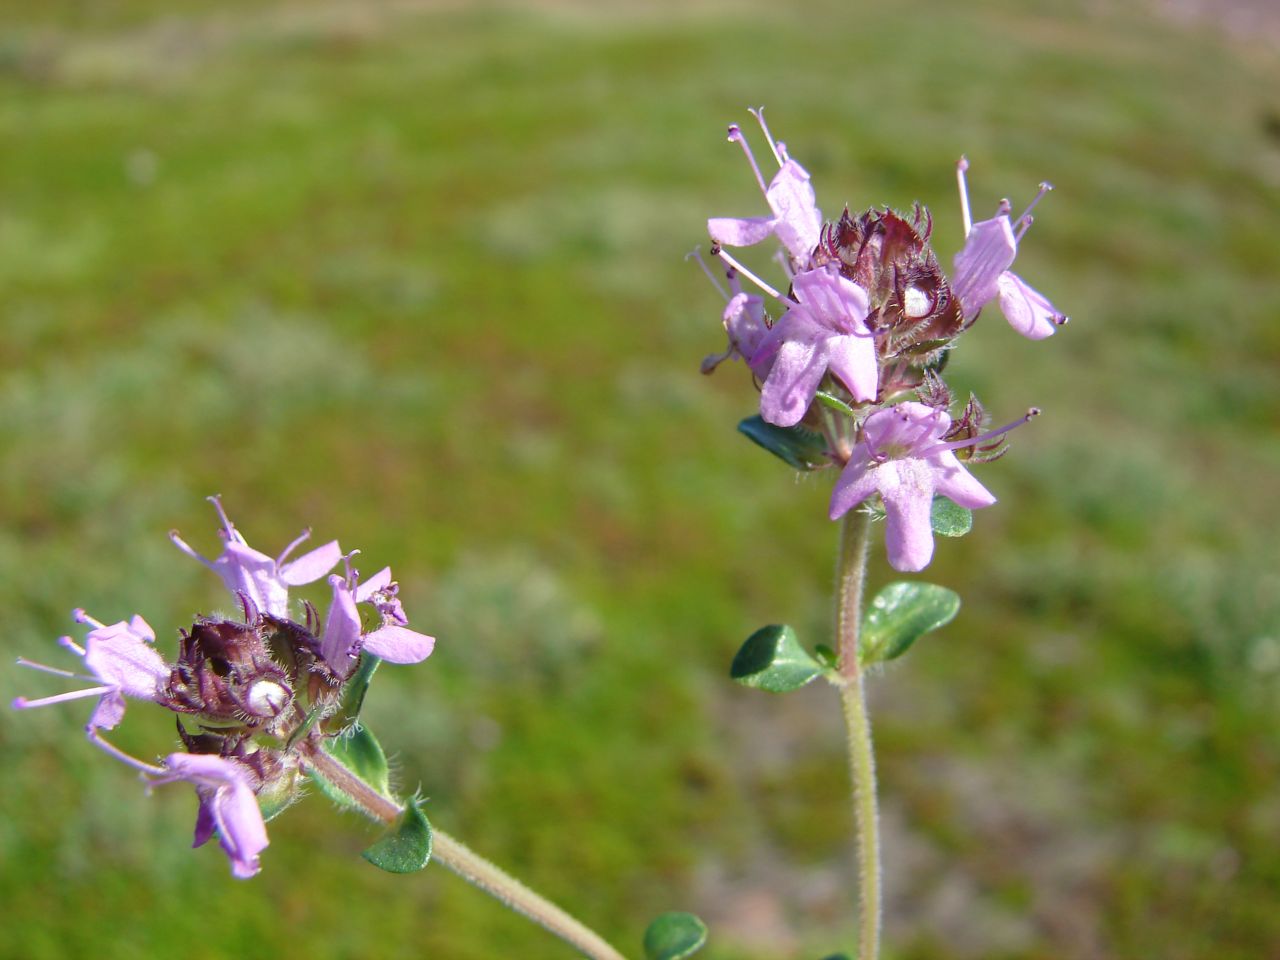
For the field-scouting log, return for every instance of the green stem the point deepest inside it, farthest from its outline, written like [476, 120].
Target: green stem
[469, 866]
[851, 575]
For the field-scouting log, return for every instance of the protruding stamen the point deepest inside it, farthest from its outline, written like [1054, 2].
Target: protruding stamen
[56, 671]
[1003, 207]
[227, 526]
[353, 575]
[713, 360]
[124, 757]
[983, 438]
[728, 261]
[735, 136]
[758, 113]
[71, 645]
[303, 537]
[22, 703]
[696, 254]
[79, 616]
[1044, 188]
[965, 216]
[1024, 224]
[188, 549]
[781, 150]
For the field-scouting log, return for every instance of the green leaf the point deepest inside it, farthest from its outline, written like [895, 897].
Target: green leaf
[674, 936]
[353, 694]
[899, 614]
[826, 656]
[359, 751]
[950, 519]
[835, 403]
[800, 448]
[773, 660]
[407, 848]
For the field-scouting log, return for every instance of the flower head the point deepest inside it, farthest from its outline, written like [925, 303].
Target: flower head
[983, 274]
[905, 459]
[260, 580]
[254, 699]
[824, 329]
[122, 660]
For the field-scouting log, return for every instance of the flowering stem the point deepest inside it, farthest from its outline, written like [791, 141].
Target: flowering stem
[851, 575]
[469, 866]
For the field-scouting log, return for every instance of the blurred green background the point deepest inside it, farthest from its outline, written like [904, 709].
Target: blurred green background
[410, 273]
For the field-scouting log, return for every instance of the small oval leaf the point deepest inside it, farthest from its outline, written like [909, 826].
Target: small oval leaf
[773, 660]
[674, 936]
[800, 448]
[899, 614]
[950, 519]
[407, 848]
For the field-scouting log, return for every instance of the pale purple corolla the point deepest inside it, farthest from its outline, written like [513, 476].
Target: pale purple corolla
[123, 663]
[796, 220]
[824, 329]
[342, 640]
[227, 805]
[904, 458]
[743, 319]
[261, 581]
[982, 271]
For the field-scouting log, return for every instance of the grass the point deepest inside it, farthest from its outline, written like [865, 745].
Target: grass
[410, 274]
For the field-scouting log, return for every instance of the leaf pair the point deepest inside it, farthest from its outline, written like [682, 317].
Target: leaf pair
[773, 659]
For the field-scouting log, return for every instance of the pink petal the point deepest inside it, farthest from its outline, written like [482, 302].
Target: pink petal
[744, 321]
[341, 638]
[399, 644]
[799, 222]
[378, 581]
[227, 797]
[245, 570]
[857, 482]
[734, 232]
[906, 426]
[907, 489]
[835, 302]
[797, 371]
[957, 484]
[119, 657]
[108, 713]
[988, 252]
[311, 566]
[853, 360]
[1027, 311]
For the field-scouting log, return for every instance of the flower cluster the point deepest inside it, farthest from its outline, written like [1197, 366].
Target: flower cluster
[251, 694]
[862, 333]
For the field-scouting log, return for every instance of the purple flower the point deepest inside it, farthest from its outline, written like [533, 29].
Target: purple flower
[824, 330]
[227, 805]
[796, 220]
[263, 582]
[744, 322]
[342, 640]
[120, 657]
[983, 274]
[902, 457]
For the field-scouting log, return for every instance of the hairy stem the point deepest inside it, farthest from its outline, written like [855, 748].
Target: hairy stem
[851, 575]
[469, 866]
